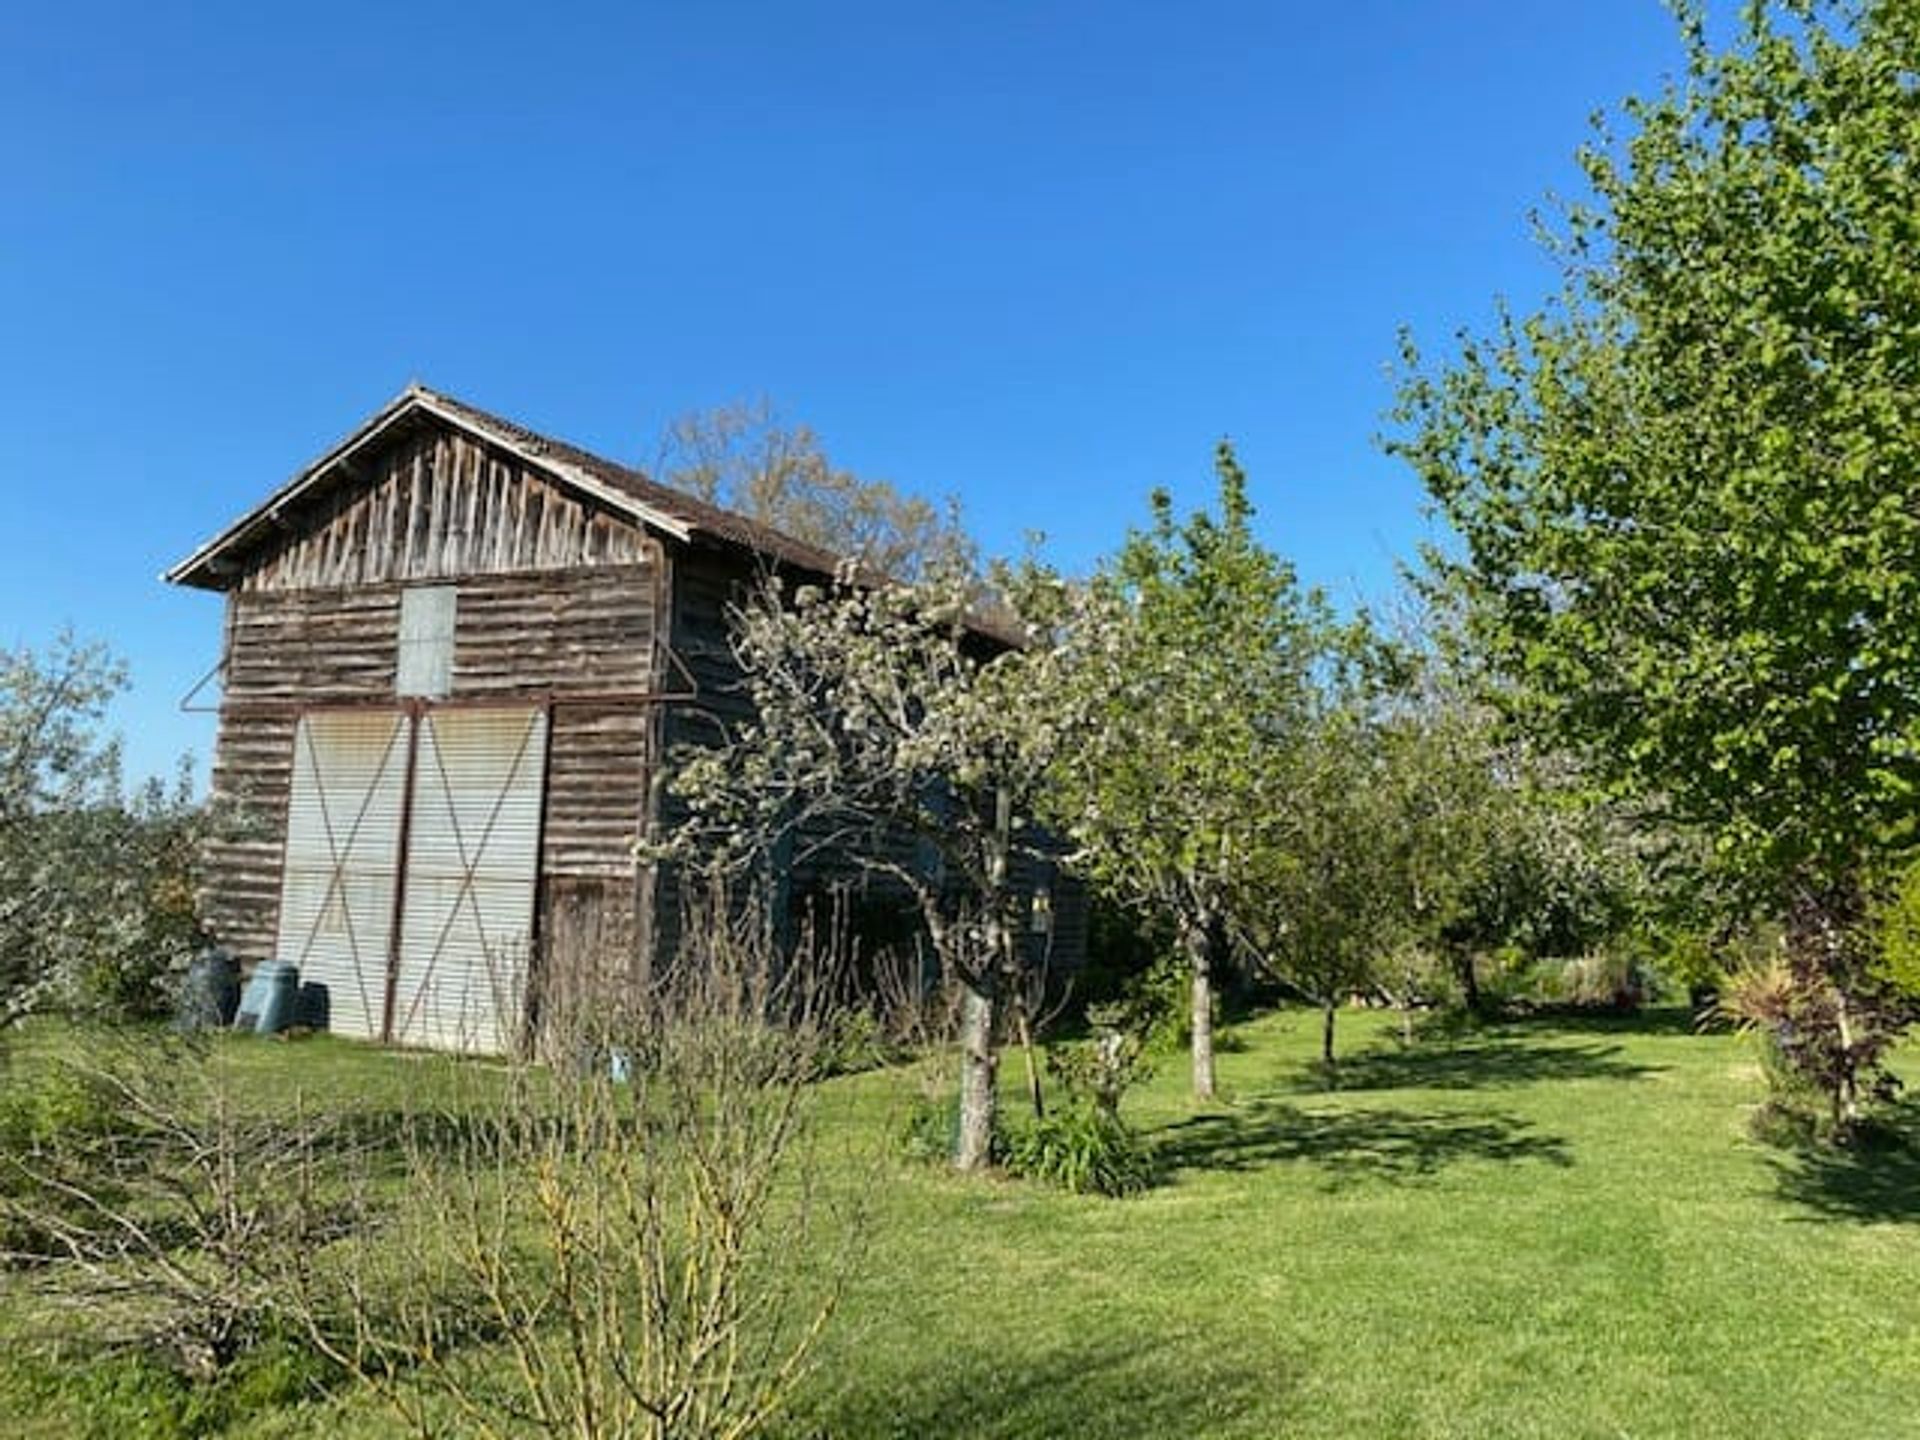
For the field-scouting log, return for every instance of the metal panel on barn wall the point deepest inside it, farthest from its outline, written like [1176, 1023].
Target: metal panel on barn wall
[473, 851]
[342, 845]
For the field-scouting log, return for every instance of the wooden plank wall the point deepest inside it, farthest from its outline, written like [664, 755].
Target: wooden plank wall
[583, 638]
[439, 505]
[703, 585]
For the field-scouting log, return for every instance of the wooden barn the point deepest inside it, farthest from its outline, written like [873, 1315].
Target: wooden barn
[456, 654]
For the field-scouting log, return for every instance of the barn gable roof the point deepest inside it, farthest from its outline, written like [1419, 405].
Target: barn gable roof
[618, 488]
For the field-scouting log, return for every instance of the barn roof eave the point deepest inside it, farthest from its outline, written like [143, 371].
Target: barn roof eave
[209, 565]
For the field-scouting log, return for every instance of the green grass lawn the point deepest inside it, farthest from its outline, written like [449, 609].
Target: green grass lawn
[1555, 1229]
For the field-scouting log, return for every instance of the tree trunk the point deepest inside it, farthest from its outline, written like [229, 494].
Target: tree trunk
[979, 1052]
[973, 1142]
[1469, 977]
[1036, 1093]
[1200, 961]
[1846, 1099]
[1328, 1009]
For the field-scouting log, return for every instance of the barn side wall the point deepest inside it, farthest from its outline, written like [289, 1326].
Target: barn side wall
[705, 584]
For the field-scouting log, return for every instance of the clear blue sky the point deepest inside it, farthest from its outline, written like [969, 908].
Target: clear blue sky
[1039, 255]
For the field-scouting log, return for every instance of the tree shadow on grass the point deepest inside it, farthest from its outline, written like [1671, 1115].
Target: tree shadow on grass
[1351, 1147]
[1119, 1387]
[1876, 1179]
[1476, 1064]
[1668, 1020]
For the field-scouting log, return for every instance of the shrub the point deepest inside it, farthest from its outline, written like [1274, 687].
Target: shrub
[933, 1118]
[47, 1103]
[1083, 1148]
[1896, 934]
[1613, 980]
[852, 1040]
[134, 1396]
[96, 883]
[167, 1218]
[1692, 961]
[926, 1132]
[1102, 1069]
[1157, 1006]
[658, 1252]
[1822, 1047]
[44, 1099]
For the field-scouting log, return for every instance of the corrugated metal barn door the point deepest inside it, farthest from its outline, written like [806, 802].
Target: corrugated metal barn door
[342, 848]
[472, 860]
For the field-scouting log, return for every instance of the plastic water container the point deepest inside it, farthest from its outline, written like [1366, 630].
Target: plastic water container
[268, 1003]
[210, 993]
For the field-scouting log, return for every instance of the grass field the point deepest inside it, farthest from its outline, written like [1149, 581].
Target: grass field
[1557, 1229]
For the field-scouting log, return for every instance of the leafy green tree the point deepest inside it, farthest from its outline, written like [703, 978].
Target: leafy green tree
[1683, 489]
[1503, 847]
[1449, 778]
[1324, 892]
[1184, 678]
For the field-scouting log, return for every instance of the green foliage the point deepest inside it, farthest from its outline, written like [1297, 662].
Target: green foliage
[1683, 489]
[1101, 1070]
[1818, 1038]
[852, 1039]
[1501, 848]
[50, 1099]
[1123, 943]
[1689, 958]
[138, 893]
[1325, 896]
[45, 1101]
[1184, 679]
[135, 1396]
[1083, 1148]
[927, 1128]
[883, 718]
[1896, 924]
[96, 886]
[1614, 979]
[1581, 1150]
[1158, 1007]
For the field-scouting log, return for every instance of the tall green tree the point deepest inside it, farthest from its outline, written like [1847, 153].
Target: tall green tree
[1186, 678]
[1503, 847]
[1689, 535]
[1324, 895]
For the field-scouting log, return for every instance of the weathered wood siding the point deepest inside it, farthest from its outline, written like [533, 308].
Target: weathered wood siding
[582, 640]
[712, 702]
[439, 505]
[555, 606]
[251, 780]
